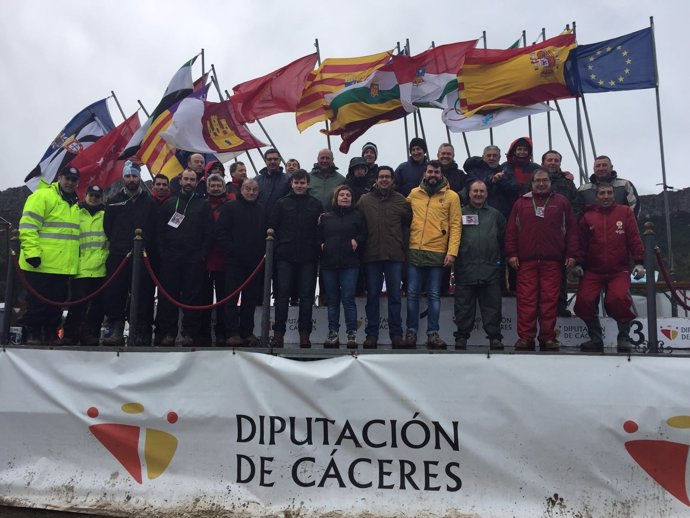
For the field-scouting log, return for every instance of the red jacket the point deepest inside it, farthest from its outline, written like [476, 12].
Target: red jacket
[609, 236]
[551, 238]
[214, 260]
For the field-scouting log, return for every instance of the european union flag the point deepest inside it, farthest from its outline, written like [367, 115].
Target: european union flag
[623, 63]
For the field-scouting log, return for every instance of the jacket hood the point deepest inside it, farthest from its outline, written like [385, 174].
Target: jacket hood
[510, 155]
[208, 166]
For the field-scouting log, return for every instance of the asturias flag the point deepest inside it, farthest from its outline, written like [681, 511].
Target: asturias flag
[623, 63]
[277, 92]
[84, 129]
[99, 164]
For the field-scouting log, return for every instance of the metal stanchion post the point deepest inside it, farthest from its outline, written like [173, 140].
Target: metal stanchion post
[649, 264]
[268, 274]
[137, 248]
[13, 246]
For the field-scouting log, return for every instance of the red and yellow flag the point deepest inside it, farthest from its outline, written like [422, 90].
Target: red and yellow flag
[491, 79]
[331, 77]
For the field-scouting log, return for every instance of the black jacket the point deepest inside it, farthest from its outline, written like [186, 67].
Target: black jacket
[241, 232]
[295, 219]
[123, 215]
[337, 229]
[191, 241]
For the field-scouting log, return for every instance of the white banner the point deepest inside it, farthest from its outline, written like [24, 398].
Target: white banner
[376, 435]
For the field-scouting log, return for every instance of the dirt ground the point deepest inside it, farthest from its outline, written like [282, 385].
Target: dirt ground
[21, 512]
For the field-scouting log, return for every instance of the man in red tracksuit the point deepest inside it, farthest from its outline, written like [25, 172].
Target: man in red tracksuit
[541, 235]
[609, 237]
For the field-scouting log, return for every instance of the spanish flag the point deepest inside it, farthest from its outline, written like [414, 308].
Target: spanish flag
[333, 75]
[491, 79]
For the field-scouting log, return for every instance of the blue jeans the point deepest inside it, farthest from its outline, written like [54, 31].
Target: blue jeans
[415, 278]
[340, 284]
[375, 273]
[286, 274]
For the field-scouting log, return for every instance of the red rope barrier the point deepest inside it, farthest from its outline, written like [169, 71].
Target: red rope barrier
[667, 279]
[170, 299]
[32, 290]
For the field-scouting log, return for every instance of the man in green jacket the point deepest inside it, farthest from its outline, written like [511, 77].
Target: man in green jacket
[324, 178]
[49, 237]
[478, 268]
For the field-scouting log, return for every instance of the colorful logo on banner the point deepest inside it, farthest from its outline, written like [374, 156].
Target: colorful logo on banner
[122, 441]
[664, 461]
[670, 332]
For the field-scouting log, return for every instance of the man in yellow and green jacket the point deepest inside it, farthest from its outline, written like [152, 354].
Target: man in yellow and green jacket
[49, 237]
[434, 242]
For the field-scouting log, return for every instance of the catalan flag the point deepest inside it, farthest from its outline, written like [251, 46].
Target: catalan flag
[331, 77]
[491, 79]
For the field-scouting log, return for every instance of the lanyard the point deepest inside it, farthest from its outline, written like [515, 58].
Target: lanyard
[543, 208]
[177, 203]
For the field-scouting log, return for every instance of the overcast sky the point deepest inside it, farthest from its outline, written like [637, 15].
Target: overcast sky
[59, 57]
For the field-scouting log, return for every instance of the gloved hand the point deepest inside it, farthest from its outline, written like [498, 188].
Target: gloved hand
[577, 272]
[638, 272]
[34, 261]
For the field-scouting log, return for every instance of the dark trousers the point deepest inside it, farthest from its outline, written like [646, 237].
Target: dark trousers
[84, 319]
[284, 275]
[214, 282]
[117, 293]
[52, 286]
[239, 321]
[376, 271]
[489, 297]
[184, 282]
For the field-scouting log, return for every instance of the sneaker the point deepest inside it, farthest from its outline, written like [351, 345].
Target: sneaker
[398, 343]
[524, 345]
[251, 341]
[234, 341]
[461, 343]
[411, 338]
[495, 344]
[433, 341]
[371, 342]
[168, 341]
[352, 339]
[550, 345]
[332, 342]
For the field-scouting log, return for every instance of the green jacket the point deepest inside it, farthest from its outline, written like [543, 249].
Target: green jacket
[479, 259]
[49, 229]
[321, 186]
[93, 245]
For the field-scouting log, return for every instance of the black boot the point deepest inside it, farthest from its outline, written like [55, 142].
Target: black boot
[623, 340]
[595, 342]
[33, 336]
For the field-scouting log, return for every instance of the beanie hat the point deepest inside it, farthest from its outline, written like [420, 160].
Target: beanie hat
[372, 146]
[131, 168]
[418, 142]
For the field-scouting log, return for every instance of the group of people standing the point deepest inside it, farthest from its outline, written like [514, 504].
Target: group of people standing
[419, 228]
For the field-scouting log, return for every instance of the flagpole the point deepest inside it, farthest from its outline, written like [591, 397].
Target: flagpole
[203, 62]
[548, 103]
[318, 60]
[142, 107]
[214, 80]
[491, 131]
[589, 127]
[529, 117]
[407, 132]
[256, 172]
[667, 209]
[112, 92]
[570, 140]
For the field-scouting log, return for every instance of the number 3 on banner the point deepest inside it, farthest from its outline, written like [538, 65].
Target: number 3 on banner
[637, 337]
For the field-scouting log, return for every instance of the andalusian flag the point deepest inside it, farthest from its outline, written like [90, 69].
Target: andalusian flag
[333, 75]
[491, 79]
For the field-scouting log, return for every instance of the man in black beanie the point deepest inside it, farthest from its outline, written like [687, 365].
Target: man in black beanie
[409, 174]
[370, 153]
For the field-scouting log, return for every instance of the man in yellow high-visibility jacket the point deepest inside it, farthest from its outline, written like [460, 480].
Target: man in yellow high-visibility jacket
[49, 237]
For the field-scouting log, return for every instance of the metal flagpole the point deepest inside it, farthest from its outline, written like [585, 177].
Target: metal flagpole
[529, 117]
[570, 140]
[144, 109]
[407, 132]
[580, 135]
[589, 127]
[203, 62]
[256, 172]
[491, 131]
[667, 210]
[548, 103]
[112, 92]
[318, 60]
